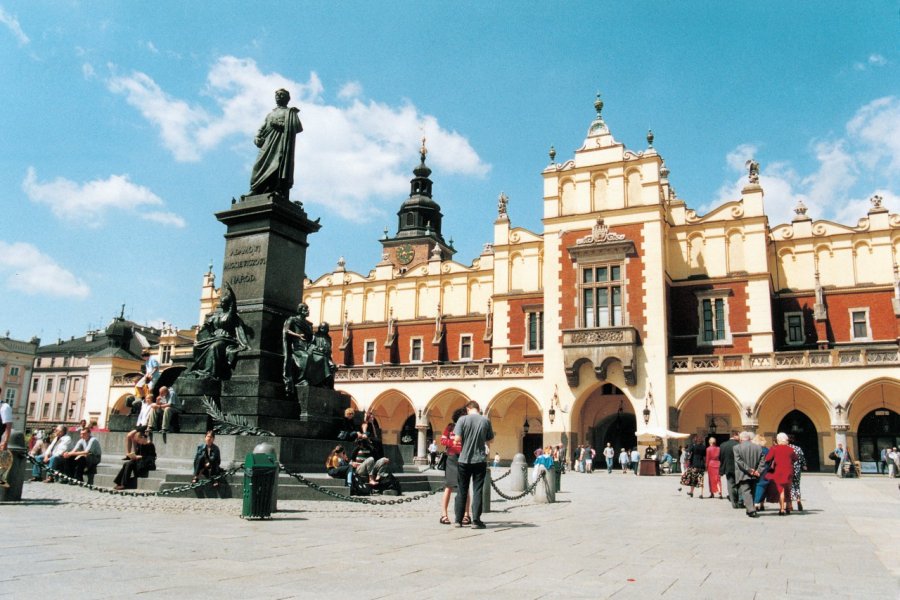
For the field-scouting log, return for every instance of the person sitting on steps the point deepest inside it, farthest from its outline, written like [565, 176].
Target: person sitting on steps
[207, 460]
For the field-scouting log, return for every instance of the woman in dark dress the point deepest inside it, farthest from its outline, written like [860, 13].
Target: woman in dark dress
[781, 459]
[141, 460]
[693, 476]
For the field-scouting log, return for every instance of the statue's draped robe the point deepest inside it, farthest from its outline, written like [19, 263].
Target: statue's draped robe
[274, 167]
[218, 344]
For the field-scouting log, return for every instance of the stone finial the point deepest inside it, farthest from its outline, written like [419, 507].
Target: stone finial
[502, 201]
[436, 253]
[664, 170]
[753, 168]
[650, 138]
[800, 211]
[488, 248]
[341, 263]
[385, 236]
[423, 151]
[598, 106]
[877, 204]
[552, 155]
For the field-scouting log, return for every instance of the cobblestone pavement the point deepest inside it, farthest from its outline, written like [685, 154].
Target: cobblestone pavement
[607, 536]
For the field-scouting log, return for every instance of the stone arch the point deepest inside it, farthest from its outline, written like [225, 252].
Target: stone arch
[604, 412]
[780, 400]
[705, 404]
[696, 245]
[516, 268]
[391, 409]
[118, 407]
[881, 392]
[568, 201]
[508, 410]
[734, 238]
[600, 188]
[439, 409]
[633, 183]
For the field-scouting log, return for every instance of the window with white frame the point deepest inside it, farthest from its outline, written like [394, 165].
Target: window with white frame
[46, 413]
[601, 295]
[34, 385]
[793, 328]
[62, 385]
[166, 354]
[859, 325]
[534, 331]
[415, 350]
[76, 385]
[10, 396]
[14, 371]
[369, 356]
[713, 312]
[465, 346]
[49, 385]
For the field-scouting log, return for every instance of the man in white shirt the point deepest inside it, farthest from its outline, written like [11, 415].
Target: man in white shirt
[6, 421]
[609, 453]
[53, 456]
[162, 409]
[84, 457]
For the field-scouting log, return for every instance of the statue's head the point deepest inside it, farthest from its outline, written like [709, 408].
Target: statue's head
[282, 97]
[226, 300]
[303, 309]
[323, 328]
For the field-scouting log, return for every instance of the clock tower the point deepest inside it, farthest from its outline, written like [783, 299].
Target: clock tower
[419, 224]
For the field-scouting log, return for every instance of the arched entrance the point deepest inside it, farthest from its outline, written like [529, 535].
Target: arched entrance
[801, 428]
[619, 430]
[517, 421]
[409, 433]
[880, 428]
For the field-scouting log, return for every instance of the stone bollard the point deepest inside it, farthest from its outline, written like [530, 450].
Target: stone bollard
[16, 475]
[267, 448]
[518, 473]
[545, 490]
[486, 492]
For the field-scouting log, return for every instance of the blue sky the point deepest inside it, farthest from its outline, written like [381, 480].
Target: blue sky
[127, 125]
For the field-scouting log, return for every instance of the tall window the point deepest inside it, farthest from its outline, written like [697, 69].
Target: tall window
[369, 358]
[46, 414]
[166, 354]
[601, 296]
[62, 385]
[14, 371]
[34, 385]
[535, 331]
[49, 385]
[713, 309]
[415, 350]
[465, 347]
[793, 325]
[859, 324]
[11, 396]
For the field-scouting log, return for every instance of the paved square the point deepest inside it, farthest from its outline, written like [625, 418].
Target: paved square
[607, 536]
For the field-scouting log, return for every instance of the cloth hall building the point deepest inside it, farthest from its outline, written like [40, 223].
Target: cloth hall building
[628, 317]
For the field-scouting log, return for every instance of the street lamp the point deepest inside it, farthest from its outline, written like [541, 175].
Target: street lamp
[525, 426]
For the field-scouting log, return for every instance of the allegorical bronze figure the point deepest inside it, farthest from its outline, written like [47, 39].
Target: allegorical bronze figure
[273, 171]
[220, 340]
[307, 356]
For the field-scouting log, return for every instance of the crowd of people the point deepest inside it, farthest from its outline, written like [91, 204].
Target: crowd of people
[753, 473]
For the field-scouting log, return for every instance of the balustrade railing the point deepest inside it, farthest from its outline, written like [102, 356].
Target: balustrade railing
[438, 372]
[809, 359]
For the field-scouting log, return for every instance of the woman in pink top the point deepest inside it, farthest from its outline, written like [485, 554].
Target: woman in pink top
[712, 468]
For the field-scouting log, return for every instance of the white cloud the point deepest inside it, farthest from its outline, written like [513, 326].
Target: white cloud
[874, 60]
[847, 169]
[88, 71]
[347, 156]
[12, 23]
[350, 90]
[88, 203]
[151, 47]
[29, 270]
[876, 126]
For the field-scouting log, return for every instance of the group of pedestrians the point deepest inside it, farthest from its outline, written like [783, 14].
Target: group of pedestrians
[753, 473]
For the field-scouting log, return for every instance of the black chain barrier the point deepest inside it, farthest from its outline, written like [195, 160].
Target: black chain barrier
[527, 491]
[502, 476]
[114, 492]
[357, 499]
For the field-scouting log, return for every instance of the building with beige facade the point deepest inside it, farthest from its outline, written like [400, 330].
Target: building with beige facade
[629, 316]
[16, 359]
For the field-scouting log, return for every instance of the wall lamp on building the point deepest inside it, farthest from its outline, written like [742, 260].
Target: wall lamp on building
[554, 402]
[647, 402]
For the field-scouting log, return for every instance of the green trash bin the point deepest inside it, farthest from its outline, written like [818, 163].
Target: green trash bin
[260, 473]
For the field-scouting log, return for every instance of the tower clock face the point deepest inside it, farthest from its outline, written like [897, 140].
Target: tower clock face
[405, 254]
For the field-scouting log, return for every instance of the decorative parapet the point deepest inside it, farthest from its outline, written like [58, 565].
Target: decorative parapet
[810, 359]
[450, 372]
[600, 347]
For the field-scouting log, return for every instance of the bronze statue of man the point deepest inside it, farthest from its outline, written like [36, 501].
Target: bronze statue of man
[273, 171]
